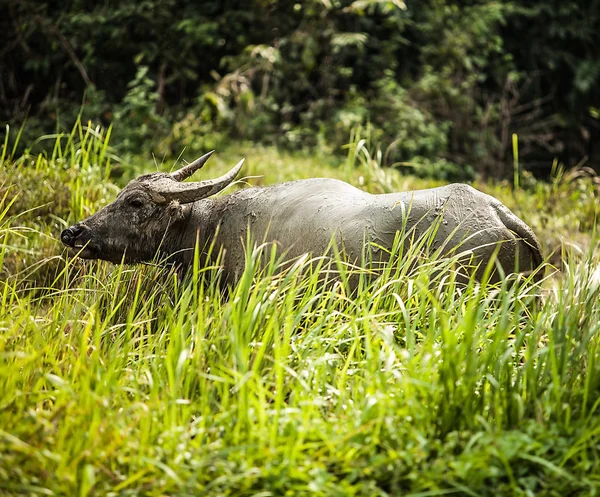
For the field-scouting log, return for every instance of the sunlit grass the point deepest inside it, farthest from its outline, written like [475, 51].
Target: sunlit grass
[119, 380]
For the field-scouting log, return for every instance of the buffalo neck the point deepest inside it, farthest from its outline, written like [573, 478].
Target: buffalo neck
[196, 227]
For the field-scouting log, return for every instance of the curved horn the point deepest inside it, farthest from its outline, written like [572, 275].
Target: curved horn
[193, 191]
[186, 171]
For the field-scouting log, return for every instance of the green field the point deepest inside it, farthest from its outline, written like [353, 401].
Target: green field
[125, 380]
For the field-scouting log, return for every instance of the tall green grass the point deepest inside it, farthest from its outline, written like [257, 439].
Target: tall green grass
[125, 381]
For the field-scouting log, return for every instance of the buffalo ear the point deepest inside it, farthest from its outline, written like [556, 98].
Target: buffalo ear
[174, 209]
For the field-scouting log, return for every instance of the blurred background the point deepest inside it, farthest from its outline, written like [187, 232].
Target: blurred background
[440, 86]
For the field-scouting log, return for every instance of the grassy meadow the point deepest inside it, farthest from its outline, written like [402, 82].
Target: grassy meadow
[127, 381]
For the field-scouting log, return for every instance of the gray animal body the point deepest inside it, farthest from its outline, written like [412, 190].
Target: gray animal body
[159, 214]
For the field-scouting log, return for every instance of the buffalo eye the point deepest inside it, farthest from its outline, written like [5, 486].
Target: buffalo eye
[136, 202]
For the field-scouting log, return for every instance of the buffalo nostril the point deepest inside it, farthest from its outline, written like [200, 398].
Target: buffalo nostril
[68, 236]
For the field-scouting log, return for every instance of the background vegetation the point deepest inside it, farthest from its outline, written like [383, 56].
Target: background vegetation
[443, 83]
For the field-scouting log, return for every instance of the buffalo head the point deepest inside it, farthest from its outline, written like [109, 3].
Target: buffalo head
[138, 223]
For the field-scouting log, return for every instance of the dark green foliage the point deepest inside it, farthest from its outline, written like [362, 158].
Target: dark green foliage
[440, 81]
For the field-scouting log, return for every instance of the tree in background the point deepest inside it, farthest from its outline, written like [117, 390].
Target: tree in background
[441, 84]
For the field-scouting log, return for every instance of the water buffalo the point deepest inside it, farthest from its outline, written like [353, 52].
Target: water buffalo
[160, 215]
